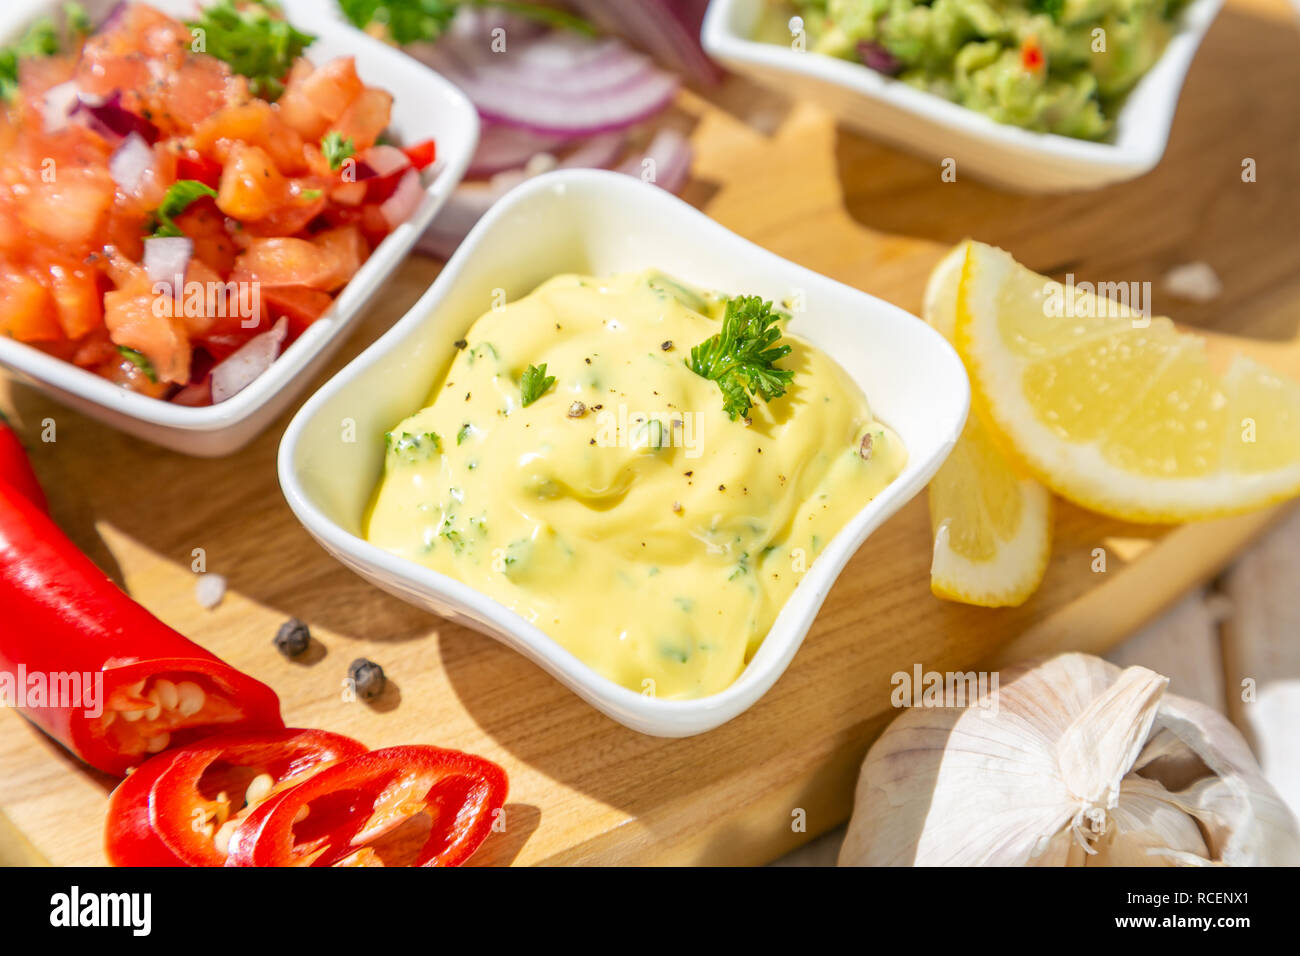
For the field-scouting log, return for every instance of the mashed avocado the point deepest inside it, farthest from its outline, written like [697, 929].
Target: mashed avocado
[1056, 66]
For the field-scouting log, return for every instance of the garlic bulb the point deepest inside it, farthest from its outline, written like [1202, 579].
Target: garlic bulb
[1069, 762]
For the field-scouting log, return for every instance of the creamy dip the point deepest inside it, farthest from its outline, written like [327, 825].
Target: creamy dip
[623, 512]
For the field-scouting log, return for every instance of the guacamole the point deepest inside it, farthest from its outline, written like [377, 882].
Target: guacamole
[1056, 66]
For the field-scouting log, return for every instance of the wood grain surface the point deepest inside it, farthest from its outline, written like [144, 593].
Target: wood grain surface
[584, 789]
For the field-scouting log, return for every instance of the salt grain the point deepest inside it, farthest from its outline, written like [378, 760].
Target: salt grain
[1194, 281]
[211, 588]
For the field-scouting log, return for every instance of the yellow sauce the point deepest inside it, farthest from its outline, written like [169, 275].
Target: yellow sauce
[642, 529]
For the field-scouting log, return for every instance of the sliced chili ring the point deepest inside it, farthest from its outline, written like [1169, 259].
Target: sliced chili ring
[129, 836]
[198, 798]
[368, 811]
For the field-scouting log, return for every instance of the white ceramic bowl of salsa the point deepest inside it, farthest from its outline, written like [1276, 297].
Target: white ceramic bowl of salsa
[425, 106]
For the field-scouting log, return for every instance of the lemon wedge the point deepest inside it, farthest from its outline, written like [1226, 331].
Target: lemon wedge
[992, 526]
[1118, 412]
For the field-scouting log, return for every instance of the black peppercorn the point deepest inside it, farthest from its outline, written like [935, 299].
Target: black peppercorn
[367, 678]
[292, 638]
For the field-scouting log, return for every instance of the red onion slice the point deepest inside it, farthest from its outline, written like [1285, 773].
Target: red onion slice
[599, 152]
[670, 150]
[167, 259]
[669, 30]
[557, 83]
[237, 371]
[508, 147]
[401, 205]
[130, 162]
[670, 153]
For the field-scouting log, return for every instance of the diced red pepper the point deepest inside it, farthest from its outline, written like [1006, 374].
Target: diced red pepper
[421, 154]
[1032, 57]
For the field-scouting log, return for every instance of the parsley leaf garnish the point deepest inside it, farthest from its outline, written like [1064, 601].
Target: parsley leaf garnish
[336, 148]
[255, 39]
[741, 357]
[534, 383]
[139, 361]
[40, 40]
[178, 198]
[410, 21]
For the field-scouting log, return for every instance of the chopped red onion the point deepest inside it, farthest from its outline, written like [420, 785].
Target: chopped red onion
[381, 161]
[59, 103]
[113, 121]
[236, 372]
[167, 259]
[879, 59]
[401, 205]
[130, 162]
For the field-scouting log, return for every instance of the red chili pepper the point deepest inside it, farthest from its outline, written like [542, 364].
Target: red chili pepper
[174, 809]
[129, 836]
[421, 154]
[358, 813]
[16, 469]
[63, 617]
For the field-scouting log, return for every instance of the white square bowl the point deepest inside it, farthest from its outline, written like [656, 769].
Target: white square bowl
[425, 106]
[927, 124]
[595, 222]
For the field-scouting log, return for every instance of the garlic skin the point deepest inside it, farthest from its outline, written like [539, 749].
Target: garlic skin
[1079, 763]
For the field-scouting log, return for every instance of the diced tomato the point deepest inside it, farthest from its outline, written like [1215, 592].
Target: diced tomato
[196, 88]
[26, 312]
[365, 118]
[124, 373]
[348, 247]
[206, 225]
[285, 261]
[374, 224]
[313, 99]
[303, 201]
[78, 302]
[333, 87]
[251, 185]
[422, 155]
[255, 123]
[94, 349]
[133, 322]
[300, 305]
[71, 209]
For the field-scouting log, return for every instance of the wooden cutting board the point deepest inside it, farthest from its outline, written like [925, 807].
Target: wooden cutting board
[584, 789]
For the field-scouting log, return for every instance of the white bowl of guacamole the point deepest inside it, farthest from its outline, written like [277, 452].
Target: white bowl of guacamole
[535, 248]
[1031, 95]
